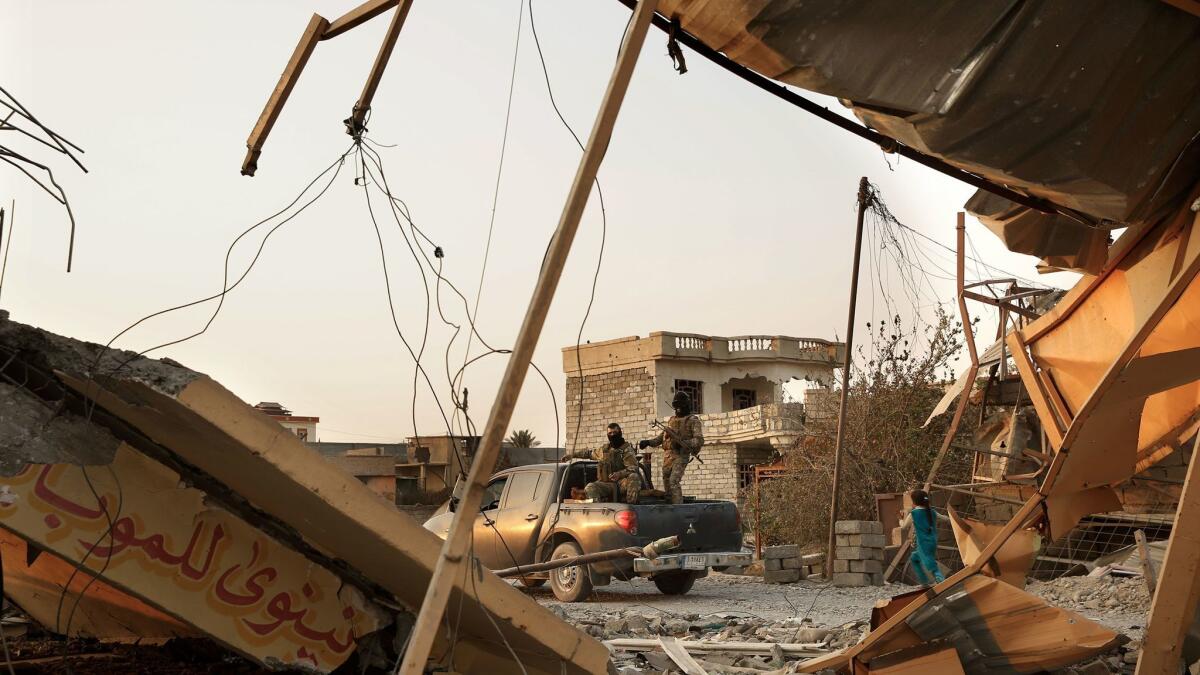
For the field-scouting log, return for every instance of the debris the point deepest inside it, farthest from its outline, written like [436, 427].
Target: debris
[1011, 563]
[680, 656]
[758, 648]
[997, 627]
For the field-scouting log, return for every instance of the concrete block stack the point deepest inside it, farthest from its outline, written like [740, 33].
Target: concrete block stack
[858, 554]
[783, 564]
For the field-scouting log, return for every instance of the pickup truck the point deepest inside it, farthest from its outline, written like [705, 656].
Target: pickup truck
[527, 516]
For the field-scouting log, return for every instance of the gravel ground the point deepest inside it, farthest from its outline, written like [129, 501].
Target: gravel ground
[1121, 604]
[729, 607]
[726, 593]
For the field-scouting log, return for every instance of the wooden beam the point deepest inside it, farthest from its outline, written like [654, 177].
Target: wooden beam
[969, 337]
[456, 549]
[291, 73]
[357, 16]
[354, 125]
[1190, 6]
[1036, 388]
[1174, 605]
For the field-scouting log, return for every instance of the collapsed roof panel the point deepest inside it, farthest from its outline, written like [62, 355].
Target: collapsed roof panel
[246, 464]
[1087, 109]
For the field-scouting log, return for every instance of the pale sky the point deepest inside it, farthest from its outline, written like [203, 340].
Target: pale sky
[729, 212]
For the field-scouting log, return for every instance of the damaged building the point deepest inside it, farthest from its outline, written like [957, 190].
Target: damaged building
[736, 385]
[202, 516]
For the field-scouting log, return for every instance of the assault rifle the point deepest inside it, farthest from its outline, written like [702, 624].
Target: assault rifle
[692, 453]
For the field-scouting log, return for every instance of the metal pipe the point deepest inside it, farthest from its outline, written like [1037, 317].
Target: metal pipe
[549, 565]
[863, 198]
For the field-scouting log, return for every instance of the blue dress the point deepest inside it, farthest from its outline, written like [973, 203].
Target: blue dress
[924, 555]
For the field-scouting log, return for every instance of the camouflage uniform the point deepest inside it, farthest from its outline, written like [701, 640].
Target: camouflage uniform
[618, 474]
[675, 458]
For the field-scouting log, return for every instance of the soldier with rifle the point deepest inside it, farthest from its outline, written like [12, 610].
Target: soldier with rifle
[681, 439]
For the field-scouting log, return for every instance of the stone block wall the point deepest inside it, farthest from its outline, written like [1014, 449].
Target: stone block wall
[716, 478]
[622, 396]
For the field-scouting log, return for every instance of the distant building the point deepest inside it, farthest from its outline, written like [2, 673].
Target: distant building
[397, 451]
[735, 383]
[434, 463]
[304, 427]
[377, 472]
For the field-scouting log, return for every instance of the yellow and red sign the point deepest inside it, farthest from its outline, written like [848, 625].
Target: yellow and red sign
[162, 541]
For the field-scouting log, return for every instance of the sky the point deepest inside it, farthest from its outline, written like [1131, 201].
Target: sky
[729, 212]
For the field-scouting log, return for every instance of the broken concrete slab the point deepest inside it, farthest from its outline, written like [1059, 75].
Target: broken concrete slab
[137, 525]
[250, 465]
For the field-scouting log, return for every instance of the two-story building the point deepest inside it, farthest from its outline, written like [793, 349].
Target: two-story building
[736, 385]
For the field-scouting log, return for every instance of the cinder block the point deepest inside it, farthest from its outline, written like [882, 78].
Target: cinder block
[792, 564]
[841, 566]
[784, 551]
[813, 558]
[877, 579]
[781, 576]
[873, 540]
[773, 565]
[859, 553]
[872, 566]
[851, 579]
[858, 527]
[842, 540]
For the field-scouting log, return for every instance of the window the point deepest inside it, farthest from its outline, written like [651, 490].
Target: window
[302, 434]
[526, 489]
[695, 391]
[744, 398]
[491, 494]
[746, 476]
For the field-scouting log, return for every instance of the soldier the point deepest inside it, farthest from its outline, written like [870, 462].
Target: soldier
[684, 440]
[618, 473]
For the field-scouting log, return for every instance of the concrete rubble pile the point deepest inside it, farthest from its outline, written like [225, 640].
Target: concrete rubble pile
[204, 517]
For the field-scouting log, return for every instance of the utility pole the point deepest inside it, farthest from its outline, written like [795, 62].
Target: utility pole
[863, 198]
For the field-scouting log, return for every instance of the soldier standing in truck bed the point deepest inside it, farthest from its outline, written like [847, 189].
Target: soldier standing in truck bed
[678, 447]
[618, 475]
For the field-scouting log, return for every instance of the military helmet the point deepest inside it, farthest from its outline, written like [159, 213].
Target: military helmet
[681, 399]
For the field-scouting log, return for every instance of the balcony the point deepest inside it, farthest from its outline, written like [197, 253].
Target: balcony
[748, 348]
[776, 423]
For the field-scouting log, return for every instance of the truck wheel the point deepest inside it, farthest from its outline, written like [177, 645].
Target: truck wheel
[570, 584]
[530, 582]
[675, 583]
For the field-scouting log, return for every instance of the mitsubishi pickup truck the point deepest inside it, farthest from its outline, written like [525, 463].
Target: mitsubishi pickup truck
[527, 517]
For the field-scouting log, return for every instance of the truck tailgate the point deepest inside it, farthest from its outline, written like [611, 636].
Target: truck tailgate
[701, 526]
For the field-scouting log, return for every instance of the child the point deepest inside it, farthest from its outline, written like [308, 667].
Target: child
[924, 523]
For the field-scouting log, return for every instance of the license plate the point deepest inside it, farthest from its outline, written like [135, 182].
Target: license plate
[695, 562]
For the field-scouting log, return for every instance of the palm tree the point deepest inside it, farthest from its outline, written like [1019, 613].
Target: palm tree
[523, 438]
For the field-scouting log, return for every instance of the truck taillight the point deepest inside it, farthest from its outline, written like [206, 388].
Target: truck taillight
[628, 521]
